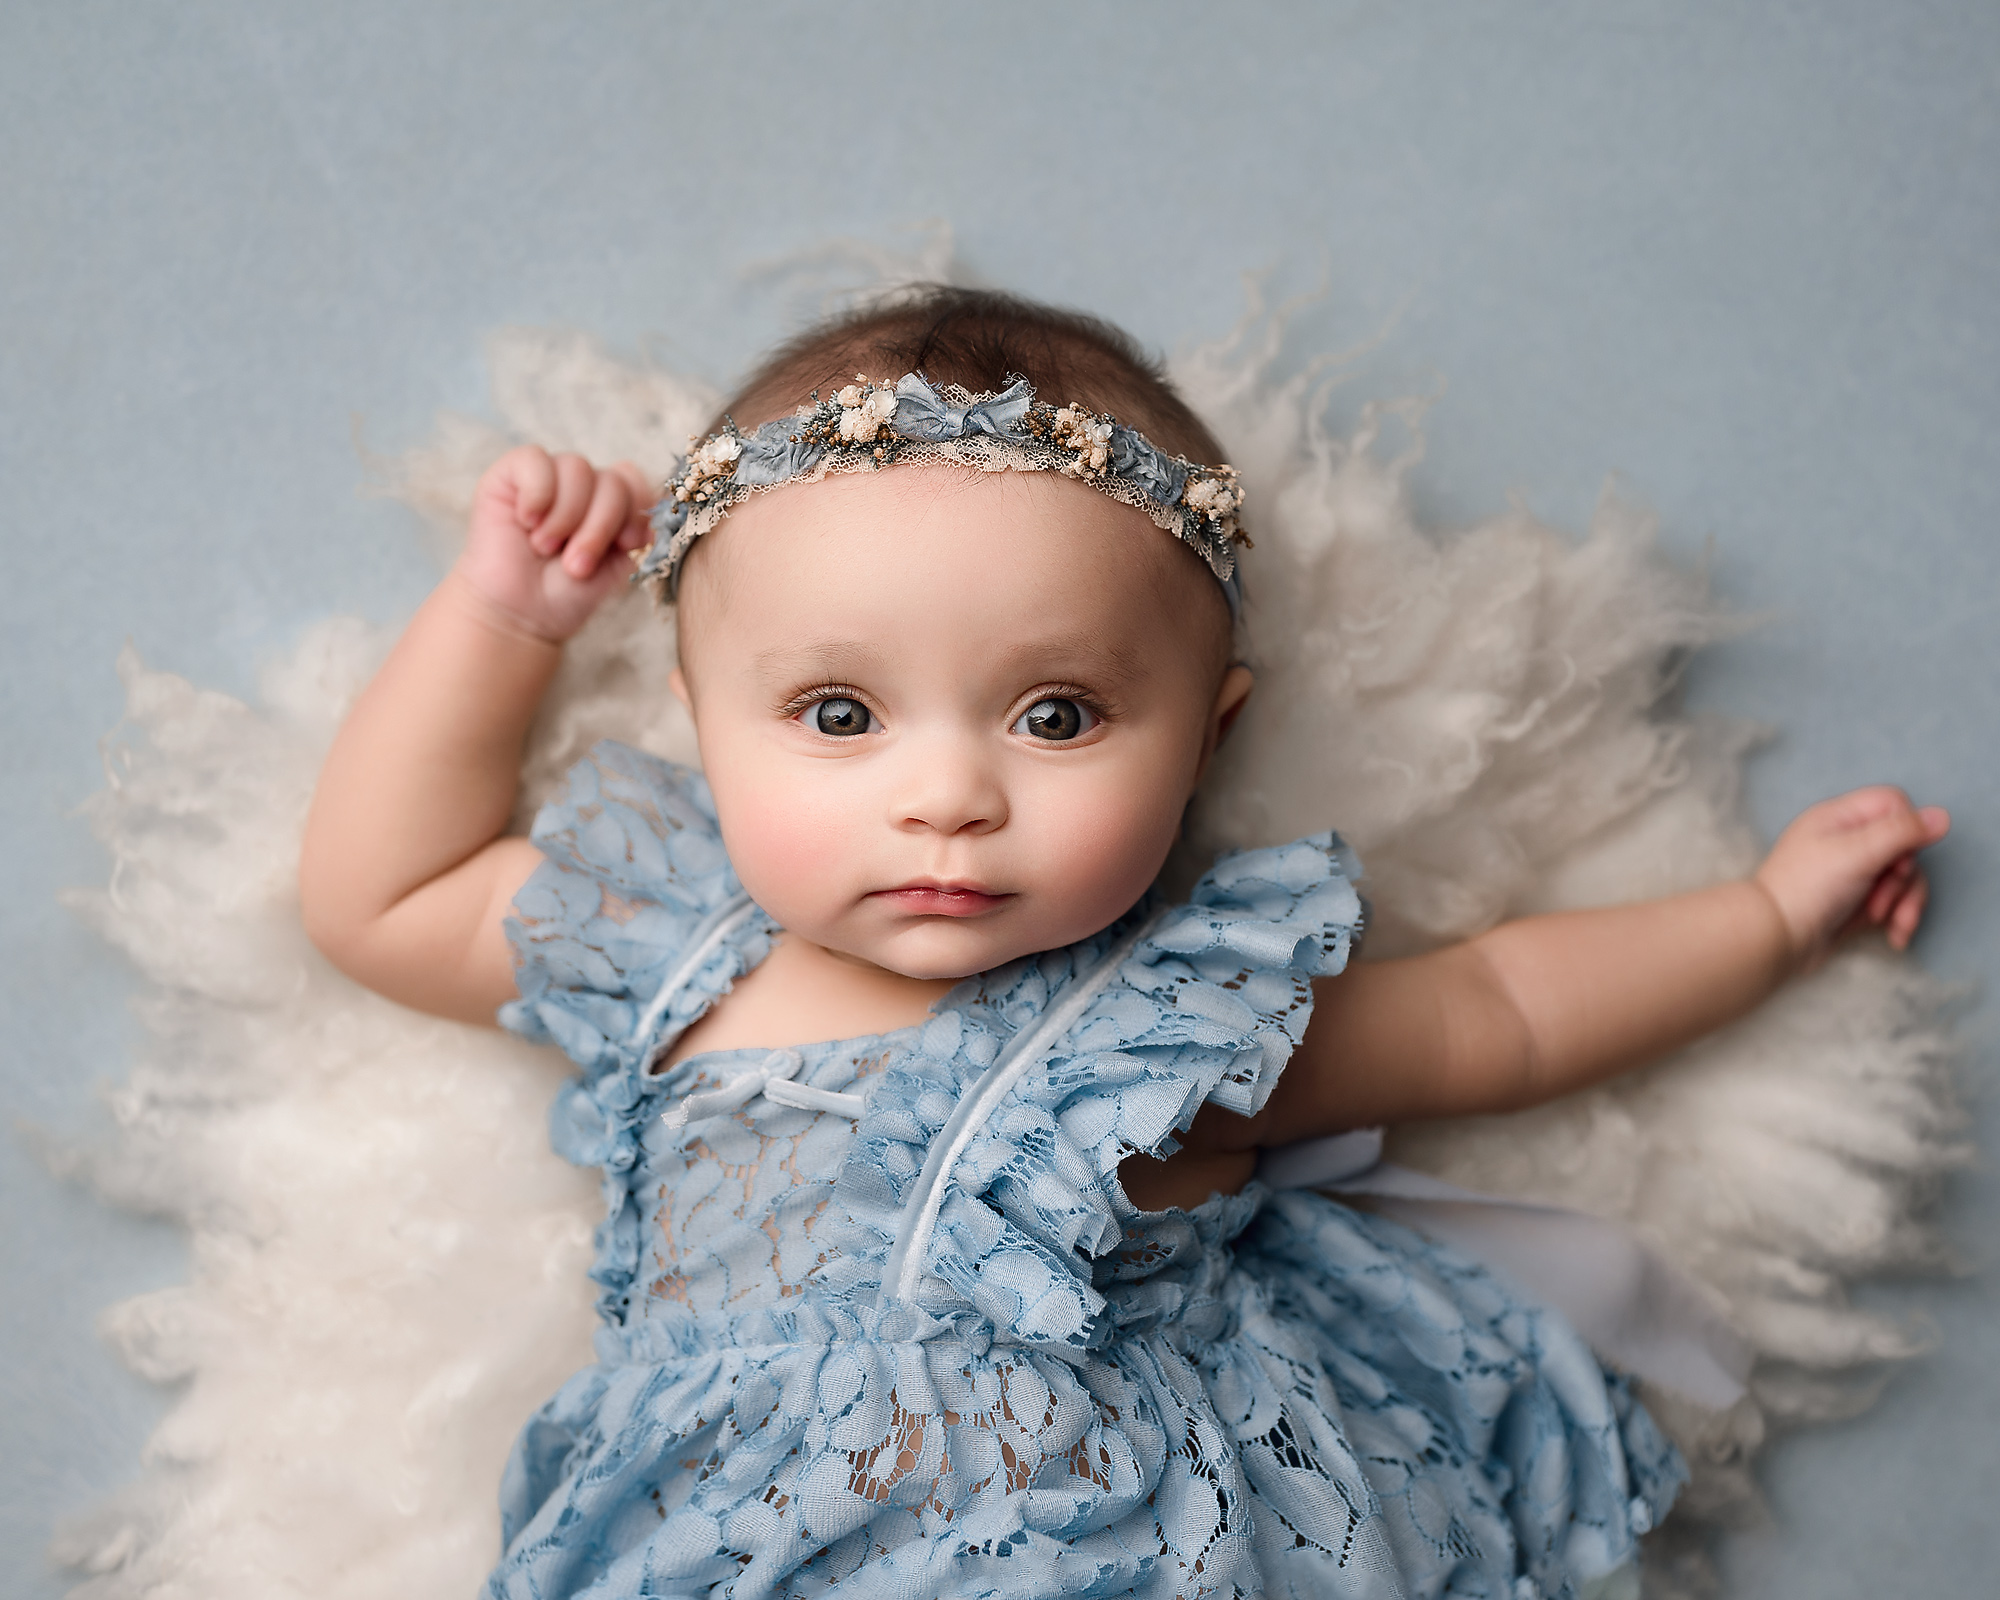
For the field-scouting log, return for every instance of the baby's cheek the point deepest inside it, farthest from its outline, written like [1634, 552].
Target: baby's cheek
[1105, 843]
[788, 851]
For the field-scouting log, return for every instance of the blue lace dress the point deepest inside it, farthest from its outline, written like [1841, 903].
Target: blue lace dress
[879, 1320]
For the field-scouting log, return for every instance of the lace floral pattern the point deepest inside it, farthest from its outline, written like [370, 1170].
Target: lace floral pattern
[1269, 1394]
[634, 882]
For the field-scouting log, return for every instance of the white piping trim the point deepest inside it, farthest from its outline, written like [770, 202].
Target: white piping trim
[905, 1267]
[712, 930]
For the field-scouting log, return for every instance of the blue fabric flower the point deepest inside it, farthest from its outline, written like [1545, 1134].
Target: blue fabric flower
[774, 455]
[923, 413]
[667, 517]
[1135, 459]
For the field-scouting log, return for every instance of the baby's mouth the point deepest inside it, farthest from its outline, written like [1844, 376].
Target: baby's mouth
[926, 897]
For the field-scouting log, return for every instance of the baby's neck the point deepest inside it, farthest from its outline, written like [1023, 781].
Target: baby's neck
[803, 993]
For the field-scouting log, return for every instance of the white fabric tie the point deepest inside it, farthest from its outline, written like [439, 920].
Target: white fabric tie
[1630, 1304]
[774, 1083]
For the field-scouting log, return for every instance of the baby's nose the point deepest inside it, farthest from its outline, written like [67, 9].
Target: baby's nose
[950, 792]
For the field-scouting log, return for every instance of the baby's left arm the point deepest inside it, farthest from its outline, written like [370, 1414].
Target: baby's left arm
[1535, 1008]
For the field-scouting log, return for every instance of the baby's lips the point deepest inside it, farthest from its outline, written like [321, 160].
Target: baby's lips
[926, 897]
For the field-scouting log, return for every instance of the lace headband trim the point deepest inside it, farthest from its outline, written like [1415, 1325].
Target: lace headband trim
[867, 426]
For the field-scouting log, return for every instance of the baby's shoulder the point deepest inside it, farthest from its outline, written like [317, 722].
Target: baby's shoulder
[635, 921]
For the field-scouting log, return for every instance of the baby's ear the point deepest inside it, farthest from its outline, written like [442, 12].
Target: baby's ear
[1231, 698]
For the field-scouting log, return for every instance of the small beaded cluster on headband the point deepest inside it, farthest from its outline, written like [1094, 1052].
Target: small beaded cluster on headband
[867, 426]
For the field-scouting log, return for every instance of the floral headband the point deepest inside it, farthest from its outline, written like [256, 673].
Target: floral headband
[867, 426]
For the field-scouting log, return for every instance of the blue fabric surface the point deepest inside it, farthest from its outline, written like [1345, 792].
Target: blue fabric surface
[1741, 255]
[1266, 1395]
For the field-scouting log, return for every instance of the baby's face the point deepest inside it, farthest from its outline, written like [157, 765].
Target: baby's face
[950, 718]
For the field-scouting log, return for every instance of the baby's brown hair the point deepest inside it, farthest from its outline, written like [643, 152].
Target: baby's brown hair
[981, 340]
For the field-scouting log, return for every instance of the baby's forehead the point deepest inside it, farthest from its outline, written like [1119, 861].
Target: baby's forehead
[1013, 555]
[915, 497]
[945, 516]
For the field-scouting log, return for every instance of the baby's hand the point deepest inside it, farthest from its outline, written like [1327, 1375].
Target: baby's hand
[545, 532]
[1851, 863]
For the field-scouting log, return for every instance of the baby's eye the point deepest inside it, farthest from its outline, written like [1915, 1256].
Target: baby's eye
[1055, 720]
[840, 718]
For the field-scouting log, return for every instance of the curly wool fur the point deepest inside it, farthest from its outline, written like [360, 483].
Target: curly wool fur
[388, 1261]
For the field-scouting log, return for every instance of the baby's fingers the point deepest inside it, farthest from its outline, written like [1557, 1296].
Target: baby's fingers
[517, 489]
[609, 515]
[1888, 888]
[574, 483]
[645, 495]
[534, 472]
[644, 489]
[1908, 912]
[1873, 828]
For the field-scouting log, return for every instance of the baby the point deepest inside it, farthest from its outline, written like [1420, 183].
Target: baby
[937, 1262]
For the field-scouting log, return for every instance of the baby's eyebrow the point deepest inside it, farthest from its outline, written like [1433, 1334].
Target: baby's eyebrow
[1087, 656]
[822, 658]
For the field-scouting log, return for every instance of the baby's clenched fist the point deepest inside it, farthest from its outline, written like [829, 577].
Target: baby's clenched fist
[542, 527]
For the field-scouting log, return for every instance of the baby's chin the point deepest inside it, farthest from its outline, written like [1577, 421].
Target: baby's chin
[946, 957]
[940, 949]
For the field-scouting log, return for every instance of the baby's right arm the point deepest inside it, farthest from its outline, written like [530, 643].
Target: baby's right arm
[404, 878]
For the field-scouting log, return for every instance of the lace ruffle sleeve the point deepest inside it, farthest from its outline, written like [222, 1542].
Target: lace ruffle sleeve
[635, 888]
[1208, 1004]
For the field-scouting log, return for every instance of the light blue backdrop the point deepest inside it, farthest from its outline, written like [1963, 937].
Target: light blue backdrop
[1741, 255]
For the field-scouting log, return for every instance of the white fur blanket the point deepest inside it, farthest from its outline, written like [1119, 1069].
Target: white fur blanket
[389, 1264]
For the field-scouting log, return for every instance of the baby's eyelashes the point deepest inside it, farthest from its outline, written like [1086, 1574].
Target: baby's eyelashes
[1056, 720]
[833, 711]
